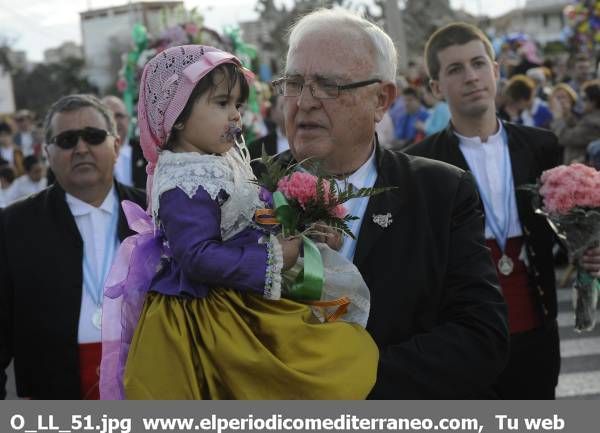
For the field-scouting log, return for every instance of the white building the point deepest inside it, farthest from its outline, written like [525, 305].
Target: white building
[541, 19]
[107, 34]
[7, 99]
[64, 51]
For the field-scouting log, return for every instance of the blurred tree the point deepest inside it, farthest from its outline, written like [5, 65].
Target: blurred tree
[37, 89]
[408, 22]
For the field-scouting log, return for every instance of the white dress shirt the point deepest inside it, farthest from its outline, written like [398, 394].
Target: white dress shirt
[282, 141]
[8, 154]
[27, 143]
[5, 196]
[364, 177]
[123, 170]
[93, 224]
[23, 187]
[487, 162]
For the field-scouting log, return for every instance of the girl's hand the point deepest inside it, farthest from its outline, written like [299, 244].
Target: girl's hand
[291, 250]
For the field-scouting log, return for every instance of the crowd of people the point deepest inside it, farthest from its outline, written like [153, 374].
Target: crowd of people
[459, 267]
[558, 94]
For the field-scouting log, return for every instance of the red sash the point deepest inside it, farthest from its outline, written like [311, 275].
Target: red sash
[89, 367]
[523, 315]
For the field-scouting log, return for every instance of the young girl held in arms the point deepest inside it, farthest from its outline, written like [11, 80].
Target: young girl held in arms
[213, 325]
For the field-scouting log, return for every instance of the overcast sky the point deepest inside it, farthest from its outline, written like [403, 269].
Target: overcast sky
[35, 25]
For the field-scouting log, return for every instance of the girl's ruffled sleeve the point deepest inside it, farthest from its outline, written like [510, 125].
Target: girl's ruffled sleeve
[192, 228]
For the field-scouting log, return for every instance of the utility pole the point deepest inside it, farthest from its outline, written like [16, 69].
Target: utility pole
[395, 28]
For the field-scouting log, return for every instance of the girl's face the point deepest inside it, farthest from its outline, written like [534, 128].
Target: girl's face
[213, 113]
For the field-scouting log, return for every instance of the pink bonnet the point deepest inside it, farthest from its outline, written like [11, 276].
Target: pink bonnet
[167, 83]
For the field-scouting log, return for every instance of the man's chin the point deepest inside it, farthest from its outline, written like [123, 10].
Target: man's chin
[316, 150]
[476, 110]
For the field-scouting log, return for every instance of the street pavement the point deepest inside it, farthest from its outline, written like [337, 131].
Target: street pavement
[580, 354]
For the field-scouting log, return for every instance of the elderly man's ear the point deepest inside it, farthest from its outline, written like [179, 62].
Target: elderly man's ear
[385, 98]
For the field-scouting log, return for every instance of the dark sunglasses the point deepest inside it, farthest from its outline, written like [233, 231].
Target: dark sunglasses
[68, 139]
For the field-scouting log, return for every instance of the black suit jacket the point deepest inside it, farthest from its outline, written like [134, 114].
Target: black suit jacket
[269, 142]
[41, 252]
[138, 164]
[437, 314]
[532, 151]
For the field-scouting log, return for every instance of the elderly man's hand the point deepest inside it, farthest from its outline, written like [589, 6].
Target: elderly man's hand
[333, 238]
[591, 261]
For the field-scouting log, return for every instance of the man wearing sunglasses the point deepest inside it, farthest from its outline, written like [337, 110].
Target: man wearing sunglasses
[436, 314]
[56, 248]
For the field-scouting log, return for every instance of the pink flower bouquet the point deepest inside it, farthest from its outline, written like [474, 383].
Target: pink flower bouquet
[571, 203]
[302, 204]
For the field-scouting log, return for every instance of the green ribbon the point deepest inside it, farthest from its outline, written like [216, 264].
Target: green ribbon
[309, 282]
[585, 279]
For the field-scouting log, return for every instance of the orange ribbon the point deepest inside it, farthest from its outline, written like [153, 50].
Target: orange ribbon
[266, 217]
[342, 305]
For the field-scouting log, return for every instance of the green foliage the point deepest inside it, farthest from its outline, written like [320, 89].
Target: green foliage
[318, 210]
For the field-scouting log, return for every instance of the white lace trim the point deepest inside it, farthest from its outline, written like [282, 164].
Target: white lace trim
[227, 172]
[274, 267]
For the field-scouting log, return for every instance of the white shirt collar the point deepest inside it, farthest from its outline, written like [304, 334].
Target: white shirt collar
[79, 207]
[359, 177]
[476, 141]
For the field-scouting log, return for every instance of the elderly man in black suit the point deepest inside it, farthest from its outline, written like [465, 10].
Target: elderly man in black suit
[502, 156]
[56, 248]
[436, 311]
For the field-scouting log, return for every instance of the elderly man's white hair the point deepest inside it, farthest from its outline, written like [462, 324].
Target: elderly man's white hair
[386, 60]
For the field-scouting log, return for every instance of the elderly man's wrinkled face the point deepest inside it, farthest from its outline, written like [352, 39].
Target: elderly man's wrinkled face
[85, 165]
[336, 131]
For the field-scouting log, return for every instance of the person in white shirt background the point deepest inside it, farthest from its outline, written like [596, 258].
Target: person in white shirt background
[33, 181]
[26, 138]
[7, 177]
[123, 172]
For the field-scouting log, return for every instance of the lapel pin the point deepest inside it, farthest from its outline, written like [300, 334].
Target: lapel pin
[383, 220]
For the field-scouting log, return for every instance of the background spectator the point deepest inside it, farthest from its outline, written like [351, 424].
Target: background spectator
[574, 134]
[7, 177]
[26, 137]
[9, 152]
[33, 181]
[406, 126]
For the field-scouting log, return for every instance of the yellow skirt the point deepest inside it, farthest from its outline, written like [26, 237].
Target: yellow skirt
[233, 345]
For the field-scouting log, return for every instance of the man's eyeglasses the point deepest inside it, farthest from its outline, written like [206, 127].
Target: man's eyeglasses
[68, 139]
[319, 88]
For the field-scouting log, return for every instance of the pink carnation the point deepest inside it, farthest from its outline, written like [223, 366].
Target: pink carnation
[339, 211]
[566, 187]
[302, 187]
[121, 85]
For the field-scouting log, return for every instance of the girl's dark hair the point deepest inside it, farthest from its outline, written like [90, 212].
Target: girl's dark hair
[228, 72]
